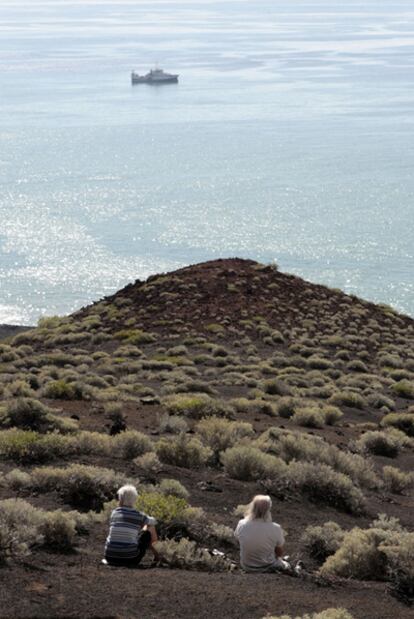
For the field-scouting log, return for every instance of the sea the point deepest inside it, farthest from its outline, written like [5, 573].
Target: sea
[289, 138]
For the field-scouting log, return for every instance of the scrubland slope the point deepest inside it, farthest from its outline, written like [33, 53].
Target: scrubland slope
[205, 386]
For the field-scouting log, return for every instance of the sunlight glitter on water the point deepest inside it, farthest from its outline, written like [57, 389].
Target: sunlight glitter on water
[280, 142]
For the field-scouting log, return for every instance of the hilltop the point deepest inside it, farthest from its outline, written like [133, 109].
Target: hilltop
[231, 378]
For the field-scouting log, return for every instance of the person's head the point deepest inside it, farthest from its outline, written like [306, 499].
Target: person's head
[127, 495]
[260, 508]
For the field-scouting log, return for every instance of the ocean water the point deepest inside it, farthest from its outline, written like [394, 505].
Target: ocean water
[289, 137]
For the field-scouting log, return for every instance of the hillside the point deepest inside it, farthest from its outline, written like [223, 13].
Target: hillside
[230, 378]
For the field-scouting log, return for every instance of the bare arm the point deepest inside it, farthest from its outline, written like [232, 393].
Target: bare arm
[279, 551]
[154, 538]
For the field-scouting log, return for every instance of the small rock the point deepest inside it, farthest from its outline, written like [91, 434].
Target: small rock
[149, 399]
[208, 486]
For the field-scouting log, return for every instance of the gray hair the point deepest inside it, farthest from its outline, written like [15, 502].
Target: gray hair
[127, 495]
[260, 508]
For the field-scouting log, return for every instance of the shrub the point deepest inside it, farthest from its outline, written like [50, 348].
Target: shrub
[31, 447]
[404, 389]
[58, 530]
[286, 407]
[18, 389]
[357, 365]
[130, 444]
[322, 541]
[183, 451]
[303, 447]
[220, 433]
[165, 508]
[149, 463]
[135, 336]
[318, 363]
[309, 417]
[276, 387]
[378, 443]
[79, 485]
[255, 406]
[249, 464]
[19, 523]
[348, 398]
[30, 414]
[186, 555]
[396, 481]
[62, 390]
[173, 487]
[173, 424]
[361, 554]
[222, 533]
[332, 415]
[321, 484]
[196, 406]
[401, 421]
[17, 479]
[400, 568]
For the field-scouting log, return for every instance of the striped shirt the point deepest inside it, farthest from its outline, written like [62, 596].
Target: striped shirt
[124, 528]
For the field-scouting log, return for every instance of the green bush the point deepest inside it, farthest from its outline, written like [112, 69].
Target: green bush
[401, 421]
[322, 541]
[165, 508]
[135, 336]
[220, 434]
[196, 406]
[303, 447]
[249, 464]
[379, 444]
[149, 463]
[130, 444]
[62, 390]
[254, 407]
[287, 406]
[404, 389]
[87, 487]
[173, 424]
[400, 564]
[31, 414]
[183, 451]
[321, 484]
[276, 387]
[58, 530]
[173, 487]
[348, 398]
[361, 554]
[31, 447]
[17, 479]
[309, 417]
[19, 529]
[397, 481]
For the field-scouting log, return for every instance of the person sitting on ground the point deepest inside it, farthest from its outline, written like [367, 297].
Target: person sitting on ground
[131, 533]
[261, 540]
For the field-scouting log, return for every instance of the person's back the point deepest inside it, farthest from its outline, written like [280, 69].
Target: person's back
[131, 532]
[261, 540]
[124, 529]
[258, 540]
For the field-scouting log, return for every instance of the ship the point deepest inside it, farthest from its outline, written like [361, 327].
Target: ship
[155, 76]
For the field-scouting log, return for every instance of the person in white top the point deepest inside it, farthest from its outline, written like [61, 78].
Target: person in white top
[261, 540]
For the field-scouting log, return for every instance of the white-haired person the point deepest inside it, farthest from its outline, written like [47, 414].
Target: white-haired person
[131, 532]
[261, 540]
